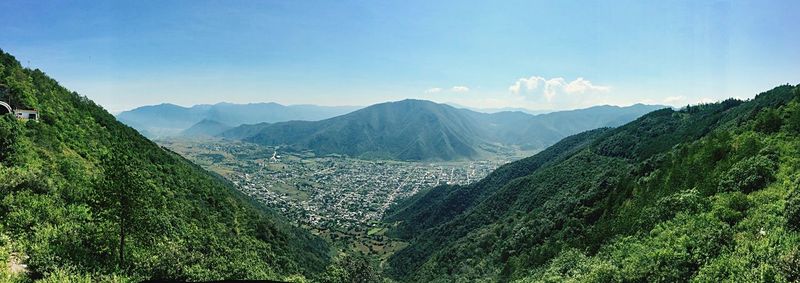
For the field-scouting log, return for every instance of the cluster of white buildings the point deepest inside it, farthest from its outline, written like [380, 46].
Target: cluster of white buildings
[22, 114]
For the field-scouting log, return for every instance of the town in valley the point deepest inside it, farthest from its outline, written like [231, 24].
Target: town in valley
[341, 198]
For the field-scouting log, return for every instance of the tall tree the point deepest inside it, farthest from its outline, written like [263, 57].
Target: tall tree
[125, 186]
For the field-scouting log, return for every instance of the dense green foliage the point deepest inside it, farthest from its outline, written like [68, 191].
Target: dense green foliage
[83, 197]
[750, 174]
[707, 194]
[351, 269]
[423, 130]
[792, 210]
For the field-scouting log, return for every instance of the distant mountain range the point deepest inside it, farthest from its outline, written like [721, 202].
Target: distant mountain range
[500, 109]
[424, 130]
[165, 120]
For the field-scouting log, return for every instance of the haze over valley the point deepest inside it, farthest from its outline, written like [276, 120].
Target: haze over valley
[167, 120]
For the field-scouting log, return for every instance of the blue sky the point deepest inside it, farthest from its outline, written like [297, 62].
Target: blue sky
[531, 54]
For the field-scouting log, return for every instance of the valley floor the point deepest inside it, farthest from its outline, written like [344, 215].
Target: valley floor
[342, 199]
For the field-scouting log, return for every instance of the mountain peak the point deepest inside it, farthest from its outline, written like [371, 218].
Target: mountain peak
[206, 128]
[410, 102]
[413, 129]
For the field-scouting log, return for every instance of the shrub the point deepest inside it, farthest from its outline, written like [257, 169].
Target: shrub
[792, 210]
[794, 120]
[731, 208]
[9, 130]
[351, 268]
[748, 175]
[688, 201]
[790, 265]
[768, 121]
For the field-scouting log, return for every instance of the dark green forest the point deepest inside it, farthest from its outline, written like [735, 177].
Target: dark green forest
[708, 193]
[83, 197]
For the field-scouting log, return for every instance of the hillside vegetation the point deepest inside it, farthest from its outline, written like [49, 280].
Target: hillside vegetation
[709, 193]
[83, 197]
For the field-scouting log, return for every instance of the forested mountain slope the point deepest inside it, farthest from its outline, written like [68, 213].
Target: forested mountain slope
[424, 130]
[708, 193]
[540, 131]
[84, 197]
[406, 130]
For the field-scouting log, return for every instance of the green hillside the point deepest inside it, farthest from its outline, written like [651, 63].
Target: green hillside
[84, 197]
[709, 193]
[405, 130]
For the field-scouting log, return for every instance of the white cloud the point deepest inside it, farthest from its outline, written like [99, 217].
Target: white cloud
[460, 89]
[527, 83]
[434, 90]
[581, 85]
[551, 88]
